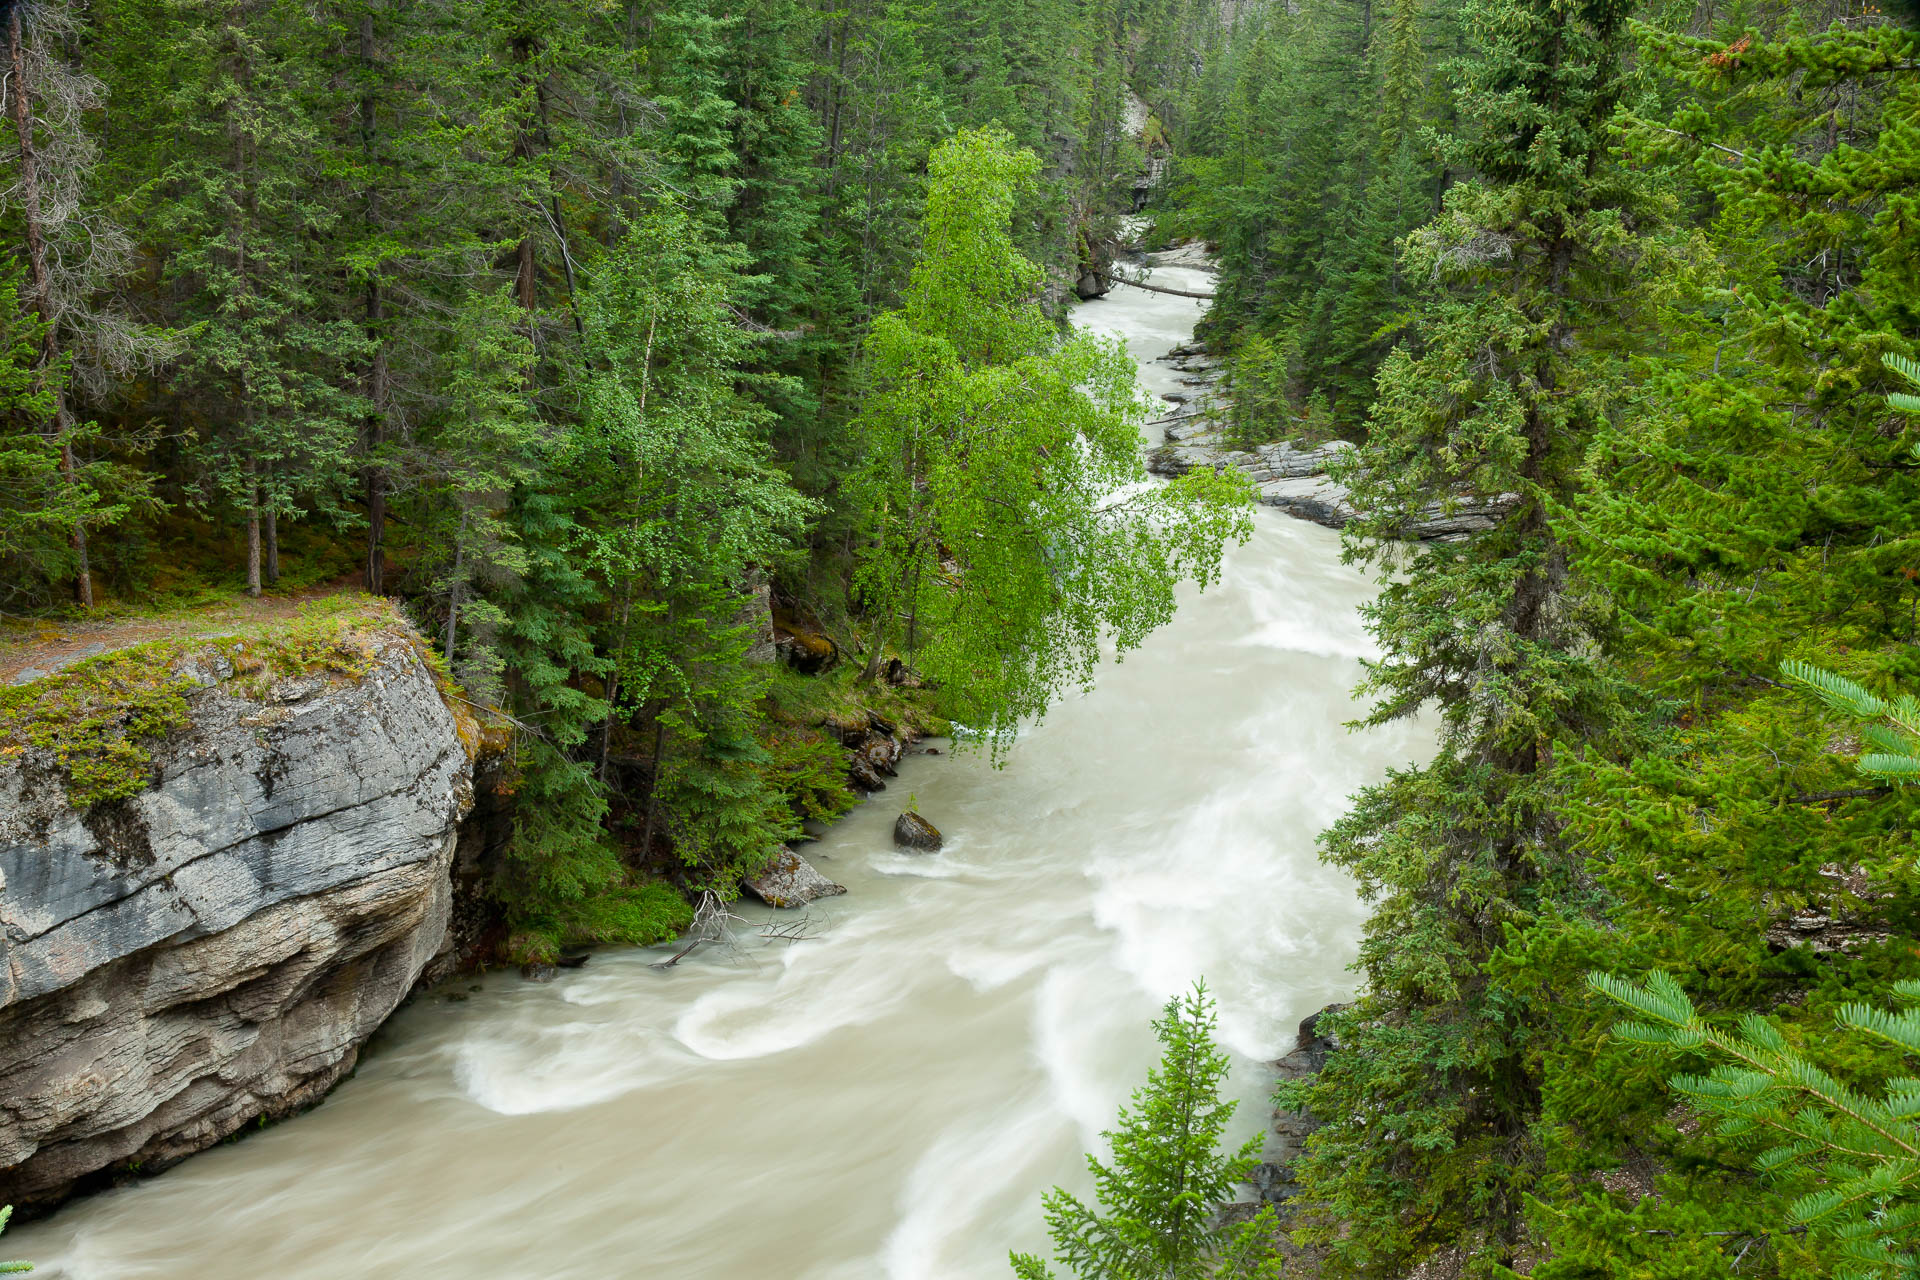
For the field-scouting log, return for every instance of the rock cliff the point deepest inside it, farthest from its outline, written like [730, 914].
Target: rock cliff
[217, 947]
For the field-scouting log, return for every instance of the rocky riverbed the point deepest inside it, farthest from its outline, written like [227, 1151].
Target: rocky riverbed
[1292, 476]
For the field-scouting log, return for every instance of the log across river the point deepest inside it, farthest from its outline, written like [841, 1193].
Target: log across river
[891, 1098]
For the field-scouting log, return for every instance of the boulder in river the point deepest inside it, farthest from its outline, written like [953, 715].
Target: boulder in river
[912, 831]
[791, 881]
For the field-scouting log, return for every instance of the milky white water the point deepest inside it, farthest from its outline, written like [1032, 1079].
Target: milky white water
[891, 1099]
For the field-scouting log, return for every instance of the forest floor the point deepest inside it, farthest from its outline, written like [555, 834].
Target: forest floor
[36, 647]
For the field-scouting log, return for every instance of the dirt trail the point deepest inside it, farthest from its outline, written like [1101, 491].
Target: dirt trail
[40, 648]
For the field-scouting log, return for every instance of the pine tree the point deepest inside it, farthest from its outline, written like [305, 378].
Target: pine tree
[239, 211]
[1159, 1200]
[1850, 1160]
[686, 505]
[72, 252]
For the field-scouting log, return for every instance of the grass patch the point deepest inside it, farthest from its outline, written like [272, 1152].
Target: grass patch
[837, 699]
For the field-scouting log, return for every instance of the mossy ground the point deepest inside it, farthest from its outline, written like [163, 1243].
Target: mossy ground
[99, 718]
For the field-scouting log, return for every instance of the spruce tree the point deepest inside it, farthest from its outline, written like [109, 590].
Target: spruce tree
[1159, 1200]
[11, 1268]
[239, 212]
[686, 505]
[1535, 274]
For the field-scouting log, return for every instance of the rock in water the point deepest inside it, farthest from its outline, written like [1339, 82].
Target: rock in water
[915, 832]
[217, 947]
[791, 881]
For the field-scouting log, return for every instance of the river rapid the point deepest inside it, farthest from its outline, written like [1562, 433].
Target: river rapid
[891, 1098]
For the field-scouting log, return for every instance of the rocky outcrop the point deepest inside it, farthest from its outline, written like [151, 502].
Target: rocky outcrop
[1272, 1179]
[791, 881]
[1292, 477]
[216, 948]
[876, 746]
[911, 831]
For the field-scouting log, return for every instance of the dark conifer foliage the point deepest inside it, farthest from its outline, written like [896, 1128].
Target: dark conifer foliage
[544, 317]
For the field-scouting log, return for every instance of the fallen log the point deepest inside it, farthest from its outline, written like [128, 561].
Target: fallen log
[1157, 288]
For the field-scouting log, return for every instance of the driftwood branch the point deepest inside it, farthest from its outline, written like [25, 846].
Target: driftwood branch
[712, 922]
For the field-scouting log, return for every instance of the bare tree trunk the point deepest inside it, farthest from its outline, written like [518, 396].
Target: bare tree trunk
[42, 286]
[273, 545]
[253, 532]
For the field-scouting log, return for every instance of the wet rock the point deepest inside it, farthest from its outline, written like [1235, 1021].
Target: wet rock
[1314, 498]
[912, 831]
[791, 881]
[1090, 286]
[902, 676]
[1272, 1180]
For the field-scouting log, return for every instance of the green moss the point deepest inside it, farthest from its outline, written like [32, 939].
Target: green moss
[99, 719]
[639, 914]
[838, 698]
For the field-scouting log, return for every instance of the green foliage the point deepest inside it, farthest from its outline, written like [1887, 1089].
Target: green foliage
[1001, 547]
[1158, 1201]
[10, 1268]
[1857, 1155]
[1892, 729]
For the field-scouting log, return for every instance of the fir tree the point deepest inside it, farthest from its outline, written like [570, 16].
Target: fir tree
[10, 1268]
[686, 507]
[1535, 277]
[1158, 1214]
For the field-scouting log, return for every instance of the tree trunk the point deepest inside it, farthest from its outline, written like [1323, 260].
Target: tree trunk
[253, 533]
[48, 362]
[273, 546]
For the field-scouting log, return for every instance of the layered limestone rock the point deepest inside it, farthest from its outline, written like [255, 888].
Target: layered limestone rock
[216, 948]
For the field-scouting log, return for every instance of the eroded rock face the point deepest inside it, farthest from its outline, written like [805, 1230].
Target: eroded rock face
[217, 948]
[1287, 1135]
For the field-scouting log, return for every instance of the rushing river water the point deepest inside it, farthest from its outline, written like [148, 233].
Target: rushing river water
[891, 1098]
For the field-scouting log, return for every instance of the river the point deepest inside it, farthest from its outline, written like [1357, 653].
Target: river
[891, 1098]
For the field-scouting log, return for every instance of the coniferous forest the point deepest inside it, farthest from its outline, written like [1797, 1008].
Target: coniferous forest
[578, 327]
